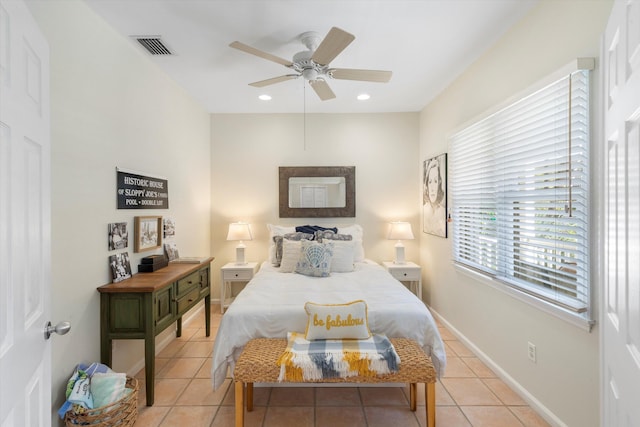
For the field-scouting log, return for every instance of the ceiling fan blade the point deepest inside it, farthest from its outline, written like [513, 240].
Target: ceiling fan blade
[253, 51]
[322, 89]
[334, 43]
[362, 75]
[263, 83]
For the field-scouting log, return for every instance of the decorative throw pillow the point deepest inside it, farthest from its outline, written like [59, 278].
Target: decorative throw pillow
[337, 321]
[315, 259]
[331, 235]
[290, 255]
[277, 230]
[276, 257]
[343, 255]
[291, 236]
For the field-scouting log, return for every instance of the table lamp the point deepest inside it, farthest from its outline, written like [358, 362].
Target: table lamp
[239, 231]
[400, 231]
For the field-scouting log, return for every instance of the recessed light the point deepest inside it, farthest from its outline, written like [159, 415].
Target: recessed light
[363, 97]
[265, 97]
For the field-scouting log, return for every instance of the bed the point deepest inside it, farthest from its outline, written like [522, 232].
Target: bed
[272, 304]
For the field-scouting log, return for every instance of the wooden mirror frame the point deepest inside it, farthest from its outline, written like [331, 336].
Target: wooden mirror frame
[346, 172]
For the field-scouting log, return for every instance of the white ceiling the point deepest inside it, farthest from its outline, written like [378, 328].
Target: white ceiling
[426, 43]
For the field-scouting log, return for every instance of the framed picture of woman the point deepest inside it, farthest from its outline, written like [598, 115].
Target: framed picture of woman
[434, 195]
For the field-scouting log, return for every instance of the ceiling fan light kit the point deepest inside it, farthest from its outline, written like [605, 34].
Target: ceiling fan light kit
[310, 39]
[313, 63]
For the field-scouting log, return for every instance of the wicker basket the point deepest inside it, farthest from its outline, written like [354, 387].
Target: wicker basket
[122, 413]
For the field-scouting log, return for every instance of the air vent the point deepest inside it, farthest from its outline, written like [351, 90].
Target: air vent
[153, 45]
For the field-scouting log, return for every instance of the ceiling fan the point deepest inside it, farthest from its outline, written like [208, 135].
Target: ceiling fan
[313, 64]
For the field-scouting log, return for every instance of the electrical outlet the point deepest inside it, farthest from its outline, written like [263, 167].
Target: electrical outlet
[531, 351]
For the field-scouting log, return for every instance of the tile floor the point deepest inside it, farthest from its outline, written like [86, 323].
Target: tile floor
[469, 395]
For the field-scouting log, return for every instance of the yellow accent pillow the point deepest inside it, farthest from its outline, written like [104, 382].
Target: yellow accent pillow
[337, 321]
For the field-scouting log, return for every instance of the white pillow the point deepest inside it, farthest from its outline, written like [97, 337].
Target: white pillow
[343, 254]
[290, 255]
[337, 321]
[356, 232]
[277, 230]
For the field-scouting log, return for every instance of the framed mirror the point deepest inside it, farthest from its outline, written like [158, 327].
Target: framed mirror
[317, 191]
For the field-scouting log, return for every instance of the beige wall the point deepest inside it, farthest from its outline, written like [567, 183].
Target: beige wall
[111, 107]
[247, 150]
[564, 383]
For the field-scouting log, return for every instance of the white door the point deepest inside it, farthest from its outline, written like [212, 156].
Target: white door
[25, 356]
[621, 294]
[312, 196]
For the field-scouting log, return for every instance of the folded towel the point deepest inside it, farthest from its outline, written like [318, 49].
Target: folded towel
[305, 360]
[107, 388]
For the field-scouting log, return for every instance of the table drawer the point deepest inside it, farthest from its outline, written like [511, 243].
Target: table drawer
[188, 300]
[408, 274]
[237, 275]
[188, 283]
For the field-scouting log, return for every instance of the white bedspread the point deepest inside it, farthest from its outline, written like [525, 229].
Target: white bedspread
[272, 304]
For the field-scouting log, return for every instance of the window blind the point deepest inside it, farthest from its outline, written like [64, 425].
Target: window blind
[520, 190]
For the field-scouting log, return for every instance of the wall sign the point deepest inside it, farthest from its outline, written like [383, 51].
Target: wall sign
[136, 191]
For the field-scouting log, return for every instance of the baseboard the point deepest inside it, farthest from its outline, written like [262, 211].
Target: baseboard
[541, 409]
[160, 345]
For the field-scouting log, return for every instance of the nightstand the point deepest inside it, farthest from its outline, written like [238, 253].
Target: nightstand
[232, 273]
[407, 272]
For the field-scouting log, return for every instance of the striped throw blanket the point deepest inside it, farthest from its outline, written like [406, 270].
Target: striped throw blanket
[321, 359]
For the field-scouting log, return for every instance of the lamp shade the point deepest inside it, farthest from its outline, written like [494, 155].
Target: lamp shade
[400, 231]
[239, 231]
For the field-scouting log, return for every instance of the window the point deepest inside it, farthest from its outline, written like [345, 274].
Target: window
[520, 193]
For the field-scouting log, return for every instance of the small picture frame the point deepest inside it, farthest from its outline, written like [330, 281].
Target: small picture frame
[118, 236]
[148, 233]
[169, 227]
[120, 266]
[171, 251]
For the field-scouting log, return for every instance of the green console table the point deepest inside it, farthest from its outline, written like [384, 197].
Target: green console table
[146, 304]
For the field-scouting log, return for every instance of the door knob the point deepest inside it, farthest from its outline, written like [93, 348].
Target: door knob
[60, 329]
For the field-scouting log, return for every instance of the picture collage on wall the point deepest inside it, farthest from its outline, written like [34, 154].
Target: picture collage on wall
[149, 233]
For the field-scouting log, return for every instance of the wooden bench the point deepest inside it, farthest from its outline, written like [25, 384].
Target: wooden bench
[258, 364]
